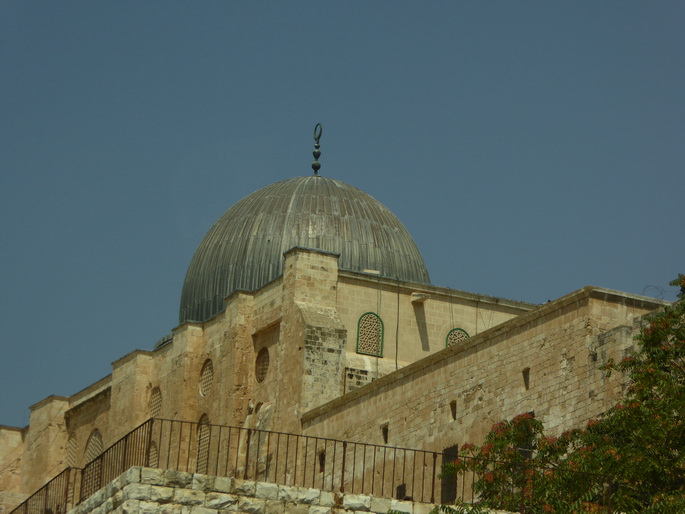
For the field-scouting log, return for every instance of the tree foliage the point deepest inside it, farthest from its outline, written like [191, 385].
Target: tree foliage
[632, 459]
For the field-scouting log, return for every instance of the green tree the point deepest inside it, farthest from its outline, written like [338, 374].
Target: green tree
[631, 459]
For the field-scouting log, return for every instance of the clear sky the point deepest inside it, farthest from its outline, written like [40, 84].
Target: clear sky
[531, 148]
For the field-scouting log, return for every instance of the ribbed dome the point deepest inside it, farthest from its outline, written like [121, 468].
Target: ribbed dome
[244, 249]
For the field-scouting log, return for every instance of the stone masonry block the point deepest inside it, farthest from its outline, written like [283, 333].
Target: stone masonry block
[148, 508]
[357, 502]
[130, 476]
[161, 494]
[423, 508]
[295, 508]
[266, 491]
[203, 510]
[129, 507]
[137, 492]
[287, 493]
[243, 487]
[220, 500]
[317, 509]
[274, 507]
[252, 505]
[202, 482]
[402, 506]
[177, 478]
[308, 496]
[151, 476]
[189, 497]
[223, 484]
[380, 505]
[327, 499]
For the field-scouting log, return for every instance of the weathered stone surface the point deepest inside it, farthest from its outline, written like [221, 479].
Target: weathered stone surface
[161, 494]
[129, 507]
[137, 492]
[202, 510]
[266, 491]
[307, 495]
[318, 509]
[202, 482]
[251, 505]
[327, 499]
[357, 502]
[288, 493]
[274, 507]
[402, 506]
[223, 484]
[294, 508]
[243, 487]
[189, 497]
[423, 508]
[152, 476]
[380, 505]
[220, 500]
[130, 476]
[148, 507]
[177, 478]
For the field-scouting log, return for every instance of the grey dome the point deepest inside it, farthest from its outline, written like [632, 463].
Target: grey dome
[244, 249]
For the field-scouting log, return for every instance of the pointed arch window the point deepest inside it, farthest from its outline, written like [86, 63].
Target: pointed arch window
[94, 445]
[370, 335]
[155, 403]
[203, 436]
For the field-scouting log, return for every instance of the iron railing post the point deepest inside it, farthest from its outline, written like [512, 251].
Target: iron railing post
[435, 463]
[247, 453]
[342, 471]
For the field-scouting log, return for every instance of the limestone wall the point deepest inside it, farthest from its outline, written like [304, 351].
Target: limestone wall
[307, 322]
[546, 361]
[415, 329]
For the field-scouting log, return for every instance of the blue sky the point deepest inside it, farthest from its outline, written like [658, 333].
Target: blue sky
[531, 148]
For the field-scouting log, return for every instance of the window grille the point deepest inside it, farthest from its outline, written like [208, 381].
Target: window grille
[456, 336]
[206, 377]
[262, 364]
[370, 335]
[155, 404]
[153, 456]
[71, 451]
[94, 445]
[203, 433]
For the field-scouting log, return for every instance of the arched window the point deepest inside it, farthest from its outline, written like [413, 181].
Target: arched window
[262, 364]
[206, 377]
[203, 437]
[370, 335]
[93, 446]
[155, 404]
[456, 336]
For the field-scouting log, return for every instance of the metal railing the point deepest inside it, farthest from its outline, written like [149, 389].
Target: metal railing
[56, 497]
[276, 457]
[267, 456]
[251, 454]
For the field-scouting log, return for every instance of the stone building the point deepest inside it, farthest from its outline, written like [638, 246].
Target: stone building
[308, 309]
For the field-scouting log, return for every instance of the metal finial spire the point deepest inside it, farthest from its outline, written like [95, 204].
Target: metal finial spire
[318, 130]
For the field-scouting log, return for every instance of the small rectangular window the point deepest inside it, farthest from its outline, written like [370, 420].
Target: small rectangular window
[453, 409]
[384, 431]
